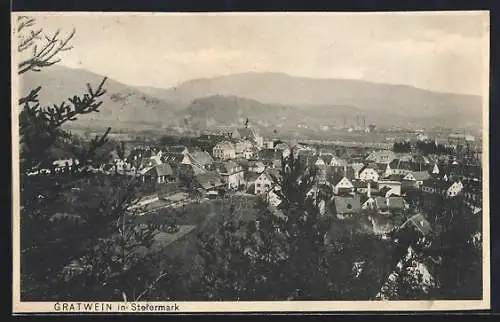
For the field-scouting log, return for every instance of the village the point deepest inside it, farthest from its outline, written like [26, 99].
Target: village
[349, 181]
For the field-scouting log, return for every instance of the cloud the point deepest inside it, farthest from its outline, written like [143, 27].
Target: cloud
[435, 51]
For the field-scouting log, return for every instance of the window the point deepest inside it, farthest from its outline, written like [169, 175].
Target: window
[257, 185]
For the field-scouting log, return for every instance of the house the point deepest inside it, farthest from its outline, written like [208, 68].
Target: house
[270, 157]
[339, 162]
[394, 187]
[369, 173]
[200, 159]
[266, 181]
[224, 150]
[250, 153]
[160, 173]
[231, 172]
[401, 165]
[256, 166]
[318, 161]
[390, 204]
[250, 178]
[418, 176]
[454, 189]
[62, 165]
[381, 156]
[346, 206]
[369, 204]
[273, 198]
[321, 191]
[209, 182]
[361, 186]
[263, 183]
[435, 186]
[241, 145]
[343, 186]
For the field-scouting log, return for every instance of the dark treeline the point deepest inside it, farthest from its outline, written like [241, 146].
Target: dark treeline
[423, 147]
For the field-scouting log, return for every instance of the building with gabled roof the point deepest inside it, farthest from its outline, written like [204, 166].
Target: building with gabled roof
[417, 176]
[381, 156]
[224, 150]
[346, 206]
[209, 181]
[388, 187]
[231, 172]
[369, 173]
[390, 204]
[266, 181]
[200, 159]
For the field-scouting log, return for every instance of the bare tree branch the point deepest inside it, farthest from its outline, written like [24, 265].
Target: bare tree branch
[51, 47]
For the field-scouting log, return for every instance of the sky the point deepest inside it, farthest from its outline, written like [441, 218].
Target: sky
[437, 51]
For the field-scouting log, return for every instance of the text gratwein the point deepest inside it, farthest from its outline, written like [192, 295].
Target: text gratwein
[114, 307]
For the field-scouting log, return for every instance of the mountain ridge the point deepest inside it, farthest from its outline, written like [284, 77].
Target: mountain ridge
[307, 98]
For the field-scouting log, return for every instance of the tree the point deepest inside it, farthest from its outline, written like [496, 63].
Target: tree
[459, 247]
[401, 147]
[283, 254]
[77, 238]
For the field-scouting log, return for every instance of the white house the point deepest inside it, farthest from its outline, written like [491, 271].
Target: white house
[263, 183]
[435, 170]
[381, 156]
[338, 162]
[393, 185]
[418, 176]
[61, 165]
[224, 150]
[454, 189]
[232, 173]
[343, 185]
[273, 198]
[319, 162]
[249, 153]
[368, 174]
[241, 145]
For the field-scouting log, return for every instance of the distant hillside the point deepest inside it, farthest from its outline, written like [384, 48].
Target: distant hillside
[123, 105]
[391, 100]
[268, 99]
[231, 110]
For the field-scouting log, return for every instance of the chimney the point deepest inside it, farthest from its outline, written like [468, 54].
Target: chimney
[369, 192]
[345, 171]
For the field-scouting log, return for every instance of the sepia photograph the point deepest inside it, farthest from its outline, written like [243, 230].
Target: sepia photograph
[258, 162]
